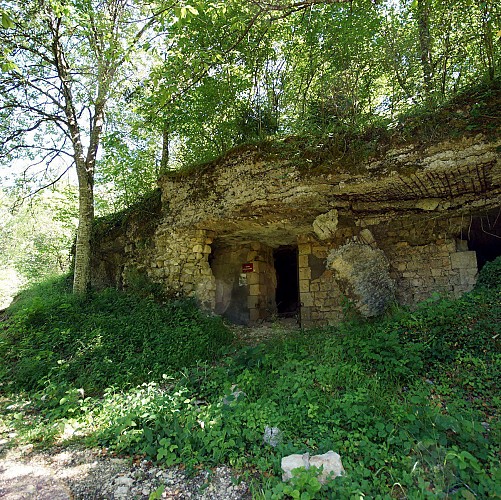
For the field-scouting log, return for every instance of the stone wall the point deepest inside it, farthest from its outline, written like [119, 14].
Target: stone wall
[245, 282]
[415, 206]
[320, 295]
[181, 263]
[428, 256]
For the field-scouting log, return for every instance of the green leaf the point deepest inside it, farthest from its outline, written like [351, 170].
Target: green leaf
[7, 21]
[8, 66]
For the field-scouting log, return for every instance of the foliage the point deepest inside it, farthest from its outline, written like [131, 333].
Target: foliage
[409, 401]
[35, 237]
[144, 212]
[330, 69]
[490, 275]
[126, 174]
[52, 337]
[72, 59]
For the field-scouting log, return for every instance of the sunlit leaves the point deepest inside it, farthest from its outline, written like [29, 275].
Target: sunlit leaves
[7, 22]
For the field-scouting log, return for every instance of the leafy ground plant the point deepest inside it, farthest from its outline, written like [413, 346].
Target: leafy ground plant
[410, 402]
[108, 338]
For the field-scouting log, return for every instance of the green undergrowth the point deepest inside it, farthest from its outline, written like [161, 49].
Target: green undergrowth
[410, 402]
[144, 212]
[52, 337]
[347, 146]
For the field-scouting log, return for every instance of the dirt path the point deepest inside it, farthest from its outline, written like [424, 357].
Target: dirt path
[63, 474]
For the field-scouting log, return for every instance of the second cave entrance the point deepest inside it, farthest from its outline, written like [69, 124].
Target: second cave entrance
[287, 291]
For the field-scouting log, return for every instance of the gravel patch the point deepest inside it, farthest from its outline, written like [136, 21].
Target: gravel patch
[63, 474]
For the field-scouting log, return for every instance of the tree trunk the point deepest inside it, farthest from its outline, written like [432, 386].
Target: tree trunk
[488, 38]
[164, 162]
[423, 20]
[82, 272]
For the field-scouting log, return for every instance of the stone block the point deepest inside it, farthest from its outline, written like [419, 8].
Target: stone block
[293, 462]
[464, 260]
[305, 313]
[252, 278]
[304, 273]
[251, 255]
[327, 286]
[254, 314]
[414, 265]
[325, 225]
[451, 247]
[304, 248]
[331, 463]
[468, 277]
[253, 302]
[272, 436]
[409, 274]
[441, 280]
[319, 252]
[304, 286]
[306, 298]
[461, 245]
[303, 261]
[427, 204]
[367, 237]
[254, 289]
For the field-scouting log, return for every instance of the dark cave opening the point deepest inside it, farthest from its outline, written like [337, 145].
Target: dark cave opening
[484, 236]
[287, 292]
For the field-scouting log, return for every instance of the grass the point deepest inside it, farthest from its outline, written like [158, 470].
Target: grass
[409, 401]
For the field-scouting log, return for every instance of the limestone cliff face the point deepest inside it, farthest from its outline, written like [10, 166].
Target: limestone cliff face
[248, 194]
[415, 205]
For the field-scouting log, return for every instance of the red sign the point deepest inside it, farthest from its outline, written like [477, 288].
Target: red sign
[248, 267]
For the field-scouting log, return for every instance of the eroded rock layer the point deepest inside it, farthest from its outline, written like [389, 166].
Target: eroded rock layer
[250, 237]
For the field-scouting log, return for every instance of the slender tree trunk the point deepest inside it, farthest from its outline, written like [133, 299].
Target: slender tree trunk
[164, 162]
[423, 20]
[82, 272]
[488, 38]
[85, 173]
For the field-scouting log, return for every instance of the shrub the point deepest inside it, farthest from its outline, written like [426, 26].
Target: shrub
[106, 338]
[490, 275]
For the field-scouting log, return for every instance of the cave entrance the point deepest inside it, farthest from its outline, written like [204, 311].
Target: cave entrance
[287, 271]
[484, 237]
